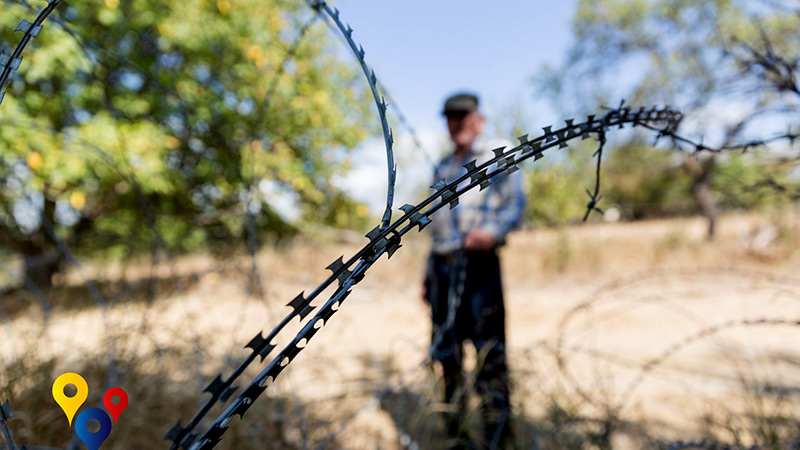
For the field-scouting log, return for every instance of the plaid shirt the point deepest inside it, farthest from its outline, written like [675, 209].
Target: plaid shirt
[497, 209]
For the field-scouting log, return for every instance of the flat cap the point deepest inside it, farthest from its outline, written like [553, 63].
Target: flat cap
[462, 102]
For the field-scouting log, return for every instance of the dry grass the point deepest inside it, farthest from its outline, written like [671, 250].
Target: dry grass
[588, 307]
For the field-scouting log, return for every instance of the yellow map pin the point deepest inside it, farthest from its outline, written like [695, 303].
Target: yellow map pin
[70, 405]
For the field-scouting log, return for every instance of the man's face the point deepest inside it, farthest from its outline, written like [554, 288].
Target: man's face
[464, 127]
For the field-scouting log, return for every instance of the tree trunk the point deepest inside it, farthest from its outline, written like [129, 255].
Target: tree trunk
[705, 198]
[39, 270]
[701, 172]
[41, 260]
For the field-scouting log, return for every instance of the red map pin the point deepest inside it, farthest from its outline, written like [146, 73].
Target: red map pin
[117, 409]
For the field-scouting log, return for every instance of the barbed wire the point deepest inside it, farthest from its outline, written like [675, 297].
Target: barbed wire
[386, 238]
[113, 373]
[654, 362]
[252, 240]
[9, 63]
[405, 123]
[64, 249]
[613, 409]
[681, 142]
[594, 197]
[594, 297]
[386, 241]
[221, 390]
[380, 102]
[561, 350]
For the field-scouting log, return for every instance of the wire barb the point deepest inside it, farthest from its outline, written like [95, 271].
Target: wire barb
[387, 238]
[11, 63]
[594, 197]
[384, 238]
[380, 102]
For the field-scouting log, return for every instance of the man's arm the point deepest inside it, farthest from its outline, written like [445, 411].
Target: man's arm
[507, 214]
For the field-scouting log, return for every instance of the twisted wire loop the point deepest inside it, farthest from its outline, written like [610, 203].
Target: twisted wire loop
[560, 346]
[11, 62]
[380, 102]
[651, 364]
[383, 239]
[680, 141]
[255, 284]
[386, 240]
[595, 197]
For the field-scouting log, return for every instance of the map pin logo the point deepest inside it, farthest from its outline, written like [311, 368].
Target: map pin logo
[70, 405]
[117, 409]
[93, 440]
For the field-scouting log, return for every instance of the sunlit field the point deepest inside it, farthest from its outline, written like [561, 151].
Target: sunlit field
[628, 335]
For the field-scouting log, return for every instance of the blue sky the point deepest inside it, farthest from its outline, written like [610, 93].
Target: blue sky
[422, 51]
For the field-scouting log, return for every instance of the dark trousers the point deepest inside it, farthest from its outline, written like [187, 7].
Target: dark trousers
[469, 284]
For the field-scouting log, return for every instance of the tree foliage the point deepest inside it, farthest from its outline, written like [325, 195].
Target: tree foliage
[730, 65]
[136, 121]
[689, 53]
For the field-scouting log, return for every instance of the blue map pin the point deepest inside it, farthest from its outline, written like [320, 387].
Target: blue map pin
[93, 440]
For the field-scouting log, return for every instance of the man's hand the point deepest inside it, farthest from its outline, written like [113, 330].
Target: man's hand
[479, 241]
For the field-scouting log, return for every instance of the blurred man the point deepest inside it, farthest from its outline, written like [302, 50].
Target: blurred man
[462, 281]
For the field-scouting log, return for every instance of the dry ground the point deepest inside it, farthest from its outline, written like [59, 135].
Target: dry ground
[619, 335]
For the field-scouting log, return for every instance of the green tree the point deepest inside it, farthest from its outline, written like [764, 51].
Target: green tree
[706, 57]
[142, 123]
